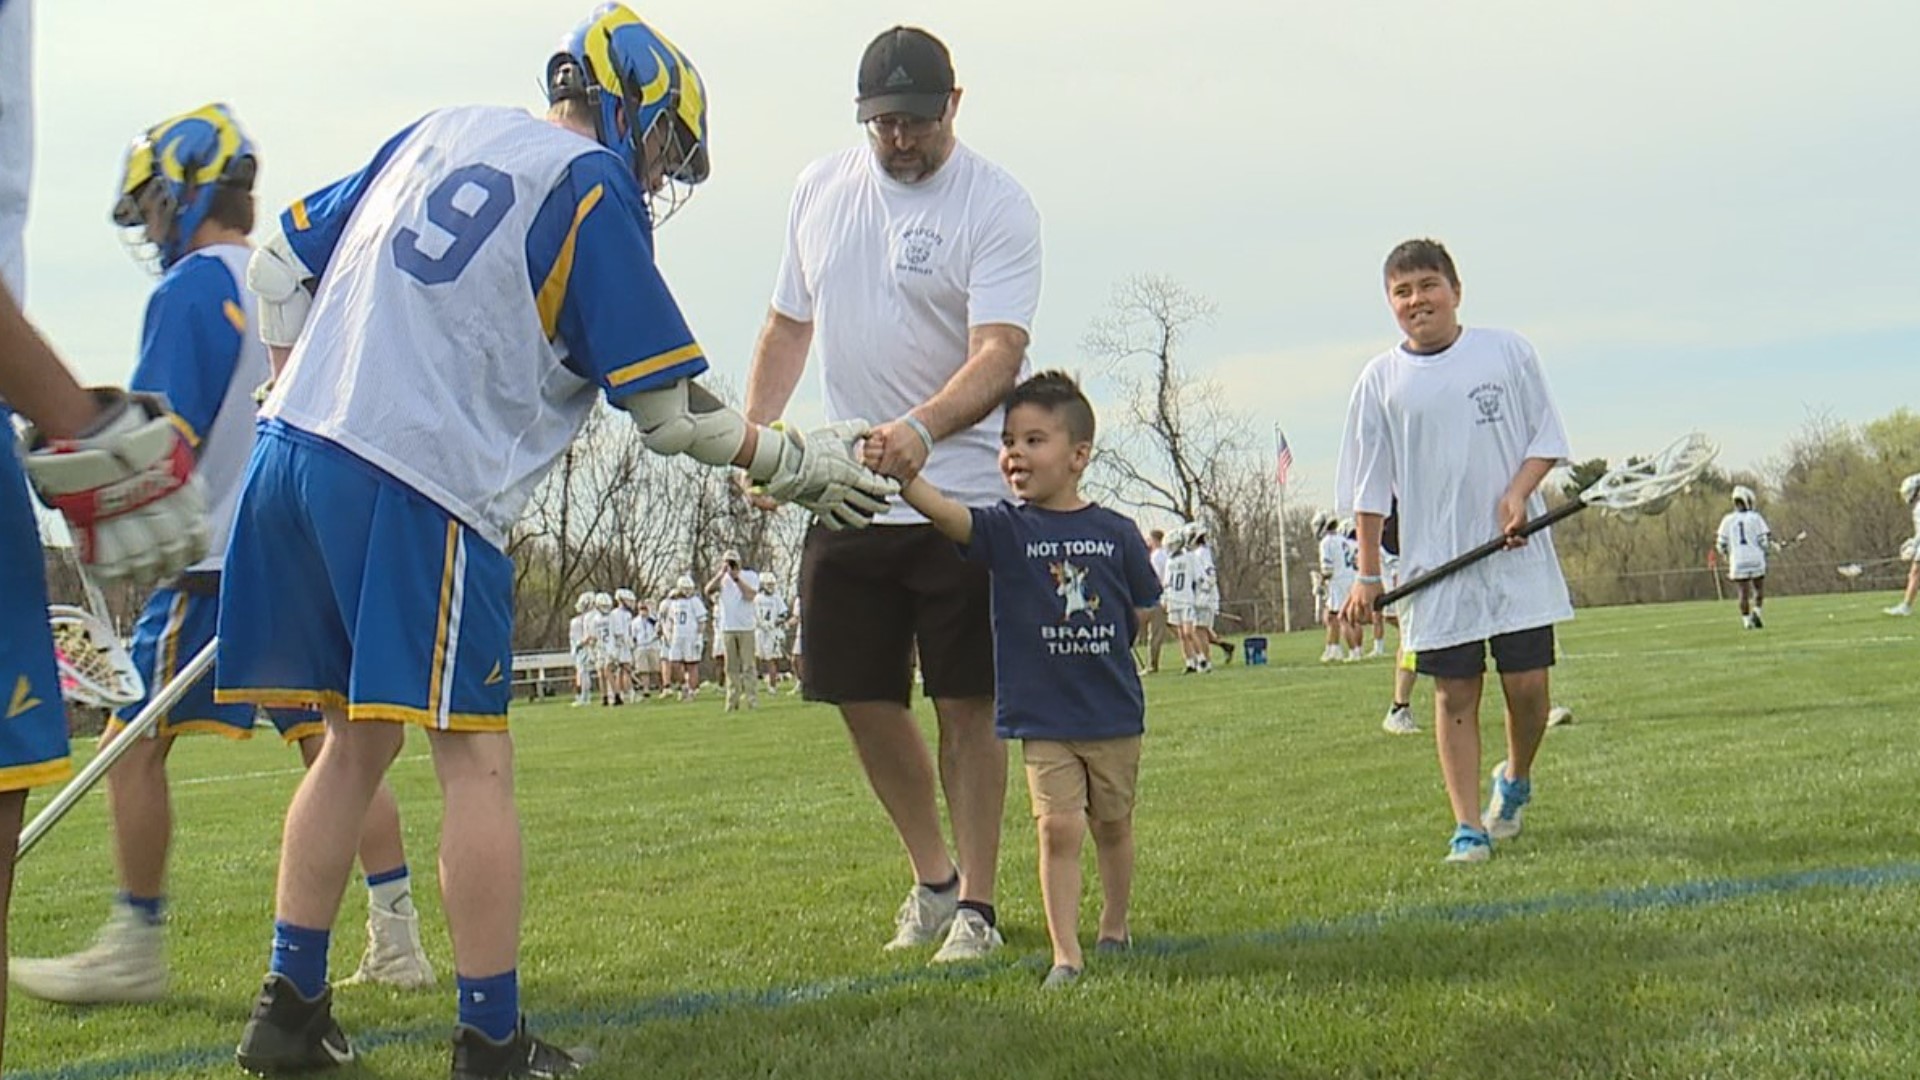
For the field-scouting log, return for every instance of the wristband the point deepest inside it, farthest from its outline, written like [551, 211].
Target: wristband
[919, 429]
[1368, 579]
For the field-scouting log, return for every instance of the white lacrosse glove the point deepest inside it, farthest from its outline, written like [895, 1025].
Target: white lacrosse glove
[818, 471]
[127, 489]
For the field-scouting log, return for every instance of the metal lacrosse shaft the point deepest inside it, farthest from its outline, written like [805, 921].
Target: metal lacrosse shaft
[163, 699]
[1452, 566]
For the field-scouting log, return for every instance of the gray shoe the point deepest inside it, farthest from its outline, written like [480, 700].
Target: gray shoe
[969, 938]
[1113, 946]
[1060, 976]
[924, 917]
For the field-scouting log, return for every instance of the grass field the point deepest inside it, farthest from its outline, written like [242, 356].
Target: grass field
[1719, 877]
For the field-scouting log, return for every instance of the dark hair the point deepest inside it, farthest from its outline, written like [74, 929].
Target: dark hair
[1416, 255]
[1056, 392]
[232, 206]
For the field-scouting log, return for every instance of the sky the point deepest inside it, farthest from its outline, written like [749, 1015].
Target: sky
[1701, 212]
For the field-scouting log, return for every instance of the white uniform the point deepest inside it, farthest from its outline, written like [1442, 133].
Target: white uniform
[1339, 566]
[1179, 589]
[599, 650]
[1915, 542]
[1206, 587]
[1448, 432]
[620, 635]
[767, 635]
[684, 616]
[582, 652]
[797, 625]
[1743, 540]
[892, 276]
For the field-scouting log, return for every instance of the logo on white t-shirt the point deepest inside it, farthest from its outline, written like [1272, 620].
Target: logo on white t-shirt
[918, 245]
[1488, 396]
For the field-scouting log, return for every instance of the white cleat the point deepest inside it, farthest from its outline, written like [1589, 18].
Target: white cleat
[126, 964]
[970, 938]
[1329, 654]
[1901, 610]
[1399, 721]
[923, 917]
[394, 956]
[1378, 650]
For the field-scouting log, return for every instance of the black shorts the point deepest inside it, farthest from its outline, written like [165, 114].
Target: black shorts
[1522, 650]
[868, 596]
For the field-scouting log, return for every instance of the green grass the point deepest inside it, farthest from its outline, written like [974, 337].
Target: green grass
[707, 893]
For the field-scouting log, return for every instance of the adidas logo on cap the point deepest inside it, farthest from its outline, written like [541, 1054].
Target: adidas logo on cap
[899, 78]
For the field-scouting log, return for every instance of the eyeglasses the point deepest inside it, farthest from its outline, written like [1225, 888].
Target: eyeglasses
[895, 125]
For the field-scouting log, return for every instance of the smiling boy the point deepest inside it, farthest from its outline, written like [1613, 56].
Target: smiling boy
[1071, 582]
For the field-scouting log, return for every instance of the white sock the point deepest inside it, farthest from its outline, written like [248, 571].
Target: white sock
[393, 897]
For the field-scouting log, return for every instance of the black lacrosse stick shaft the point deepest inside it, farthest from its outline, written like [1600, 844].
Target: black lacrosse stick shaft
[1453, 566]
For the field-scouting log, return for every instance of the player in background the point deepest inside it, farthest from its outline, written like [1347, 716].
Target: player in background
[582, 652]
[1458, 423]
[620, 636]
[686, 625]
[770, 616]
[1338, 579]
[448, 343]
[1178, 596]
[646, 651]
[1742, 540]
[1206, 596]
[186, 206]
[599, 633]
[795, 655]
[115, 466]
[1910, 551]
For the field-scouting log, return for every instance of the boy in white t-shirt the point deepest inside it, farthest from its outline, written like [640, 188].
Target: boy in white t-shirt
[1459, 424]
[1910, 551]
[1743, 539]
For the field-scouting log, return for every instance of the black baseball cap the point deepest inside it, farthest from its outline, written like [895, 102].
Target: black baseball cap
[905, 70]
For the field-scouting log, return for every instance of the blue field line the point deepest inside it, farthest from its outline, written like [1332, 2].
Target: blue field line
[691, 1005]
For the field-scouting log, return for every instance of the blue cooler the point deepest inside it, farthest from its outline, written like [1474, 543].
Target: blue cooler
[1256, 648]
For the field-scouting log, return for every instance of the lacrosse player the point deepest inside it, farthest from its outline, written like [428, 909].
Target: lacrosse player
[620, 636]
[116, 467]
[1742, 540]
[582, 655]
[770, 613]
[686, 624]
[1178, 596]
[646, 650]
[1071, 584]
[509, 261]
[1338, 579]
[1910, 551]
[795, 655]
[1458, 422]
[195, 351]
[1206, 597]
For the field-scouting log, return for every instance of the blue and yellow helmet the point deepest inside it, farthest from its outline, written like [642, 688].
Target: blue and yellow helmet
[173, 171]
[636, 80]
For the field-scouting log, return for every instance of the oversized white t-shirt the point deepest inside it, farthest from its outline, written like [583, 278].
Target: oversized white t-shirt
[1338, 566]
[1743, 539]
[1157, 558]
[737, 615]
[892, 276]
[1447, 433]
[16, 141]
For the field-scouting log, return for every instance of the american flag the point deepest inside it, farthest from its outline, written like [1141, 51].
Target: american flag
[1283, 456]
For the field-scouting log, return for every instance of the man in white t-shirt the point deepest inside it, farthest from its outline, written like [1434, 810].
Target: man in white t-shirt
[736, 589]
[1458, 422]
[1910, 551]
[912, 265]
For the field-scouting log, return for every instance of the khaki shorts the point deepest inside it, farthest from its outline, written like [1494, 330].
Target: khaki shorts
[646, 659]
[1097, 776]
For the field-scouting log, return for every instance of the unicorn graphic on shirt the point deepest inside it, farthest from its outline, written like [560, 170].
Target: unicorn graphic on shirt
[1070, 584]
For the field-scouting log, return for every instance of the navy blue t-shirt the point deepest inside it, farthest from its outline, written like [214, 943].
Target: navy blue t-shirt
[1065, 590]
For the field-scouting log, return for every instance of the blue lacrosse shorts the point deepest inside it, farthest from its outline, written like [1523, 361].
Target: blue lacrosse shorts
[173, 628]
[33, 718]
[347, 588]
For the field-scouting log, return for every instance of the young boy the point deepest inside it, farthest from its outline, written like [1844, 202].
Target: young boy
[1743, 539]
[1458, 422]
[1072, 583]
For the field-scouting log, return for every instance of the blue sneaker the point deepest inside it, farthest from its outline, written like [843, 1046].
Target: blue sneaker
[1469, 845]
[1508, 798]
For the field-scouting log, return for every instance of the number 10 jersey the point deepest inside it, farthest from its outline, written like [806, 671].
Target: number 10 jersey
[479, 281]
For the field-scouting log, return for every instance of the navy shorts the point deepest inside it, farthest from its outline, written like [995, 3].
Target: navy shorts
[1521, 650]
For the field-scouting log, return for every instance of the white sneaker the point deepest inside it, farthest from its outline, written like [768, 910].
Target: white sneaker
[970, 938]
[127, 963]
[1399, 721]
[1354, 656]
[394, 956]
[1901, 609]
[1505, 802]
[1330, 654]
[1378, 649]
[923, 916]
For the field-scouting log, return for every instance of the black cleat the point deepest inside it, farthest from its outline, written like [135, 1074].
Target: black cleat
[523, 1057]
[1228, 645]
[289, 1034]
[1756, 621]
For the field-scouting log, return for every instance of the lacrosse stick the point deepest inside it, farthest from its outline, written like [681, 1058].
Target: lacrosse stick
[94, 667]
[163, 699]
[1791, 541]
[1645, 487]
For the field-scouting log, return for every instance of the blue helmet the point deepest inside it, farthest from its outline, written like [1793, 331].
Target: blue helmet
[636, 80]
[171, 174]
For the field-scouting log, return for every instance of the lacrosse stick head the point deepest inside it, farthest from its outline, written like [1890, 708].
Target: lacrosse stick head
[94, 667]
[1648, 487]
[1850, 570]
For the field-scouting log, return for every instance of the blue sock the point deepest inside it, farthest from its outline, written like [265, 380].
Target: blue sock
[300, 955]
[491, 1005]
[396, 874]
[153, 907]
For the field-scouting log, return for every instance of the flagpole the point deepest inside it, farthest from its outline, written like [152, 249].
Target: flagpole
[1286, 592]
